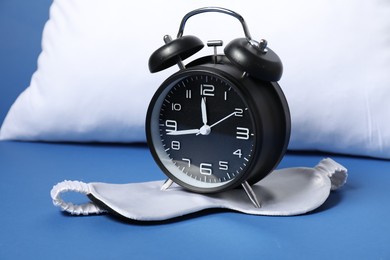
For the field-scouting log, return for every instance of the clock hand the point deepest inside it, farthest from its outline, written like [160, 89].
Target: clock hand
[184, 132]
[204, 111]
[223, 119]
[206, 130]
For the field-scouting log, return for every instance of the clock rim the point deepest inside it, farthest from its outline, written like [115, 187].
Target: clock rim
[169, 83]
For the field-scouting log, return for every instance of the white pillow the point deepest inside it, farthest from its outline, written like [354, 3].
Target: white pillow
[93, 83]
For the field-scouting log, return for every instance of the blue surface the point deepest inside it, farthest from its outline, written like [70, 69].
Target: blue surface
[352, 224]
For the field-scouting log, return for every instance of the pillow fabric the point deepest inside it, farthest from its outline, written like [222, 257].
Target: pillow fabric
[93, 83]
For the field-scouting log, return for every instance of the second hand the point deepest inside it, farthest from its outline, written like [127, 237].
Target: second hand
[226, 117]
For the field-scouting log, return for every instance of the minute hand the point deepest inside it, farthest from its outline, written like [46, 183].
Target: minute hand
[223, 119]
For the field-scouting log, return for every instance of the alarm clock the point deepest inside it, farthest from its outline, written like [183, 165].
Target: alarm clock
[221, 121]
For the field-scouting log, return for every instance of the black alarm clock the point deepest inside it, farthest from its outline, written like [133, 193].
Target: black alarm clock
[221, 121]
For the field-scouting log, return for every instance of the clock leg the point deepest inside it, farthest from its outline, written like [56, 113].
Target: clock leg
[167, 184]
[251, 194]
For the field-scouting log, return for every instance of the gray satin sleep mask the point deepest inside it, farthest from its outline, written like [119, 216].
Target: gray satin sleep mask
[284, 192]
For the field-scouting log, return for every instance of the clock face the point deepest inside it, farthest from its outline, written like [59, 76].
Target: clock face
[201, 131]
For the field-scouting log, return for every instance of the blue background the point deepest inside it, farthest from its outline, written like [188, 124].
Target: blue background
[352, 224]
[21, 25]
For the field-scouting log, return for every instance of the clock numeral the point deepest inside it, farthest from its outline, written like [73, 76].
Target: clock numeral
[242, 133]
[175, 145]
[176, 107]
[171, 125]
[187, 160]
[206, 168]
[225, 95]
[188, 93]
[239, 112]
[224, 166]
[207, 90]
[238, 153]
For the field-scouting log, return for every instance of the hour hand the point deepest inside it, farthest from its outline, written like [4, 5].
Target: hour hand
[184, 132]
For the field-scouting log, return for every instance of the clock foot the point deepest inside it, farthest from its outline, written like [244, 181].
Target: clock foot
[167, 184]
[251, 194]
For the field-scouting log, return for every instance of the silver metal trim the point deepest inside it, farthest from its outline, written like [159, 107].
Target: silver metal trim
[217, 10]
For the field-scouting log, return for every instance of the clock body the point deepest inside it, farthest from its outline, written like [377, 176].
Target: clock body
[210, 128]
